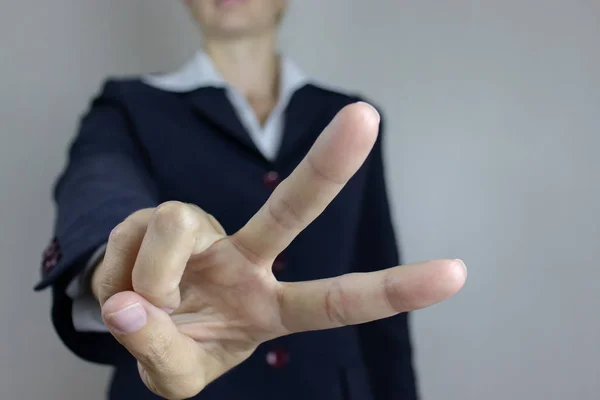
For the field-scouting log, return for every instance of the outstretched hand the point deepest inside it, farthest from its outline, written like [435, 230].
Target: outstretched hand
[190, 302]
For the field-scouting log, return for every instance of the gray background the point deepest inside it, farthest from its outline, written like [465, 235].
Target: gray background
[493, 133]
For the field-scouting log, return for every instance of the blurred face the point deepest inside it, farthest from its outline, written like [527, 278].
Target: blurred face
[236, 18]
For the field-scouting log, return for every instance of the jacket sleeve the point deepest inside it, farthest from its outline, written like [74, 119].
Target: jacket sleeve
[107, 178]
[385, 343]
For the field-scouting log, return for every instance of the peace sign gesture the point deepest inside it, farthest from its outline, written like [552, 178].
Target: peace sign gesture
[225, 298]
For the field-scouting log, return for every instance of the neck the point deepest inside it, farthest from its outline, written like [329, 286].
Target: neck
[250, 65]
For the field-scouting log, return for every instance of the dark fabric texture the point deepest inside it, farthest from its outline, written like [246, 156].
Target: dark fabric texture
[138, 146]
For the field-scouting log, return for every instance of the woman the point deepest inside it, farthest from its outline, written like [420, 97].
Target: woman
[164, 166]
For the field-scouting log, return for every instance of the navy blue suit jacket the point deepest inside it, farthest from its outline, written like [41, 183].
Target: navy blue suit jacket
[139, 146]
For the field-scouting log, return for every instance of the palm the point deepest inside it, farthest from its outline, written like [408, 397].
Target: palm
[225, 297]
[228, 306]
[232, 292]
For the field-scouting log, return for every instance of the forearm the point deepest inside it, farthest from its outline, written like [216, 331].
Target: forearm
[107, 178]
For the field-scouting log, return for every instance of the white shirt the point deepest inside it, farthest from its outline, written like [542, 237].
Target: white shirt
[199, 72]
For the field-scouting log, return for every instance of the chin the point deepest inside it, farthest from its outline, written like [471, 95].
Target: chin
[231, 31]
[236, 27]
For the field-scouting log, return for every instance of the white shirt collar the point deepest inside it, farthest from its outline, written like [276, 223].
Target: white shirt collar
[201, 72]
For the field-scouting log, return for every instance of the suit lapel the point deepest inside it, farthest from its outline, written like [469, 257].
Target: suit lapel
[301, 115]
[212, 105]
[304, 110]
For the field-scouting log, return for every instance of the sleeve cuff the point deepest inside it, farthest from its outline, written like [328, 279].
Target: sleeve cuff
[86, 312]
[79, 287]
[87, 315]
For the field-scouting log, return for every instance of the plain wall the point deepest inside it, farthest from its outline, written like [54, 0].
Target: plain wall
[493, 129]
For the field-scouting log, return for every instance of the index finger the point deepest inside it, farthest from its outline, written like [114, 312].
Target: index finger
[334, 158]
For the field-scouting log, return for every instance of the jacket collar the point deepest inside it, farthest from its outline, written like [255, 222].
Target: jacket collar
[200, 72]
[207, 91]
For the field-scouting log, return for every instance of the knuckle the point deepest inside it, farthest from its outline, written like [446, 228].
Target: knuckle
[119, 232]
[175, 216]
[109, 281]
[283, 214]
[318, 174]
[106, 288]
[124, 229]
[164, 372]
[393, 295]
[141, 214]
[215, 224]
[132, 225]
[335, 304]
[157, 356]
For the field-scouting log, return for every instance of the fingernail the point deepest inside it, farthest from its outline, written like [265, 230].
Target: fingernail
[463, 264]
[128, 320]
[372, 108]
[168, 310]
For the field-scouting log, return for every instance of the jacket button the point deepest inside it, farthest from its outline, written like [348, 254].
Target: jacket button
[278, 358]
[51, 257]
[279, 264]
[271, 180]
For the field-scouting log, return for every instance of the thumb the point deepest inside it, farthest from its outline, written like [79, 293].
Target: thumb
[170, 363]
